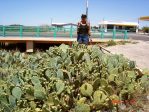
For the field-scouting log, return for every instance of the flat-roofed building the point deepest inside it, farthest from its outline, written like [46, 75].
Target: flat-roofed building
[130, 26]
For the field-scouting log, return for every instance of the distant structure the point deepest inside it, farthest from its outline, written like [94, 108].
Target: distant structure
[144, 18]
[130, 26]
[15, 25]
[63, 24]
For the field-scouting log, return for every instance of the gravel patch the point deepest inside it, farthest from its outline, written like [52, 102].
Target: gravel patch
[137, 52]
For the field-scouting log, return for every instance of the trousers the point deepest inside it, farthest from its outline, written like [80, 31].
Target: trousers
[83, 39]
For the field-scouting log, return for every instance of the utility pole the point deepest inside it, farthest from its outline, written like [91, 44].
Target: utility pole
[51, 21]
[87, 8]
[137, 28]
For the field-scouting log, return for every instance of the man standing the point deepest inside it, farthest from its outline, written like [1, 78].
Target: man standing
[83, 30]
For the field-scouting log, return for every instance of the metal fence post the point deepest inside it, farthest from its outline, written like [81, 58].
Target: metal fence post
[4, 31]
[125, 35]
[55, 32]
[102, 33]
[114, 33]
[64, 30]
[21, 31]
[38, 31]
[71, 31]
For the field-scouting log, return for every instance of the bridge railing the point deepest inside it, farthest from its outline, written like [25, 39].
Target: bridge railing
[46, 31]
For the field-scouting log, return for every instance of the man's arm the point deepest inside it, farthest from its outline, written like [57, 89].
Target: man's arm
[78, 28]
[89, 29]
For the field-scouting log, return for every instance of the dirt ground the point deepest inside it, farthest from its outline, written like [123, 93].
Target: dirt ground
[137, 52]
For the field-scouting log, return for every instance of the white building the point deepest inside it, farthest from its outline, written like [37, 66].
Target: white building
[130, 26]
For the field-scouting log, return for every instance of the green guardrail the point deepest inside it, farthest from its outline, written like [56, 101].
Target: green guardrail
[39, 31]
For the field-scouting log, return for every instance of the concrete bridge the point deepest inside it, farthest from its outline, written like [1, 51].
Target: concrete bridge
[30, 41]
[53, 35]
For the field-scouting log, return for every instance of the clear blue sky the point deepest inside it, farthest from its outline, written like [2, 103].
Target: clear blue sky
[37, 12]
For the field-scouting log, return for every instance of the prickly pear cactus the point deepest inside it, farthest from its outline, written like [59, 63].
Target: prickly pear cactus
[96, 84]
[35, 80]
[17, 93]
[132, 64]
[39, 92]
[79, 78]
[60, 86]
[82, 108]
[86, 89]
[100, 99]
[115, 99]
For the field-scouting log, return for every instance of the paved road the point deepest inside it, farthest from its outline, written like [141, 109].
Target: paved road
[138, 37]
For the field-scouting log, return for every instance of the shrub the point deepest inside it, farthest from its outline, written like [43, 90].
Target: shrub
[145, 29]
[111, 43]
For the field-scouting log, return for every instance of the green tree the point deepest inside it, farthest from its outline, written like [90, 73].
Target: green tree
[145, 29]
